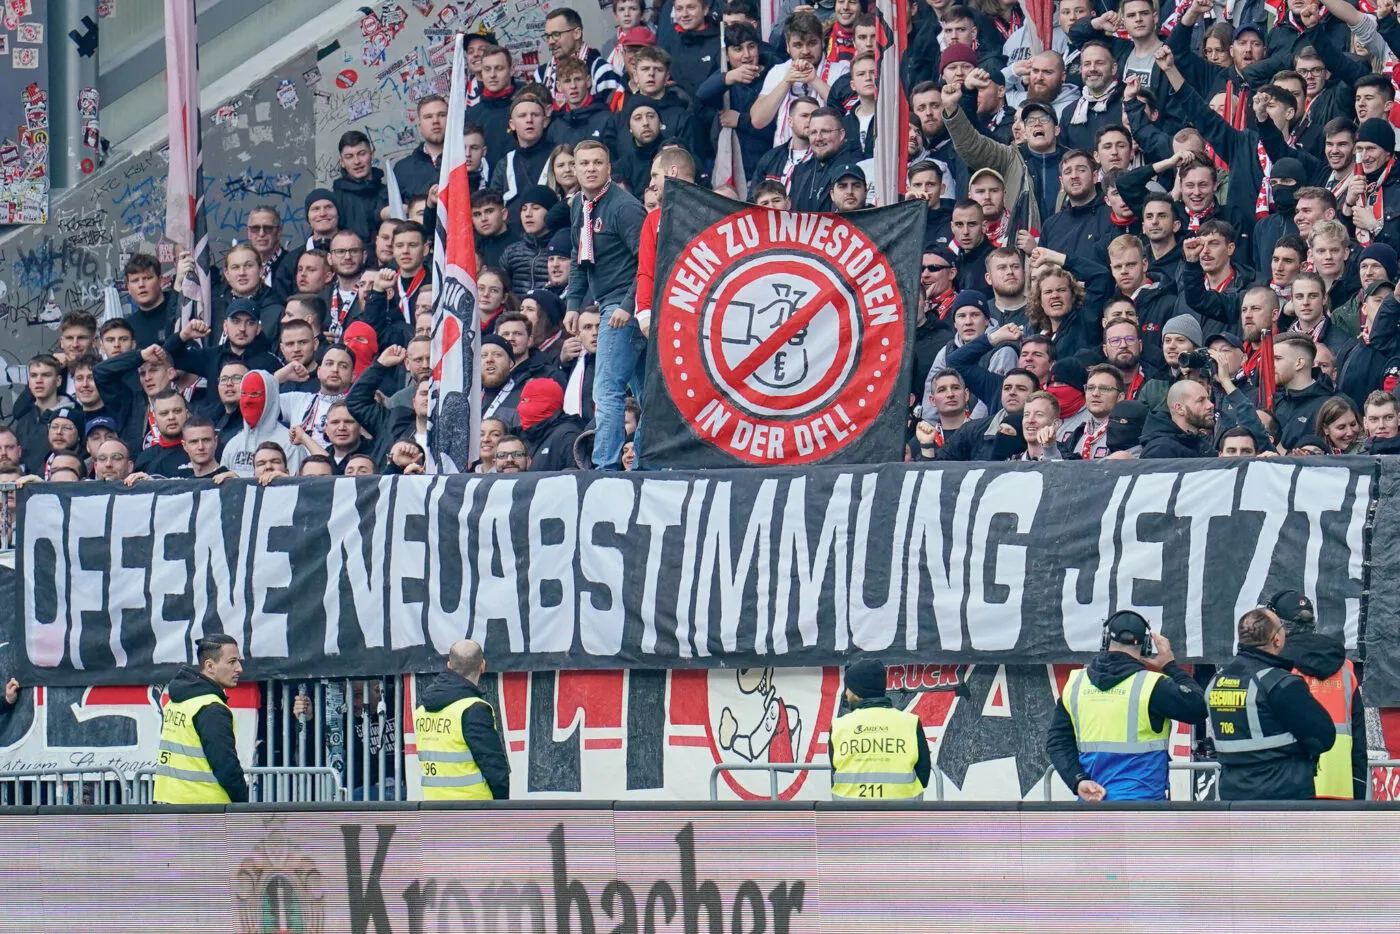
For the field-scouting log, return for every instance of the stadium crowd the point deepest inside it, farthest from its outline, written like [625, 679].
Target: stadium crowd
[1174, 233]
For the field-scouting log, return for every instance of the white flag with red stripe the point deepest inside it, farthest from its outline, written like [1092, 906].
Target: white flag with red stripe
[454, 399]
[184, 187]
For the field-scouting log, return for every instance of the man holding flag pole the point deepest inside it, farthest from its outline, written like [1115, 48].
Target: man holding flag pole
[184, 189]
[454, 397]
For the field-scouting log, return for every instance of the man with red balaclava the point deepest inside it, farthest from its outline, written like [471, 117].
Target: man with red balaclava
[259, 403]
[548, 432]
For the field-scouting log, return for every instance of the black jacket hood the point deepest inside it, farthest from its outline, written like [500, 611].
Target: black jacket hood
[188, 684]
[1314, 654]
[446, 689]
[1109, 668]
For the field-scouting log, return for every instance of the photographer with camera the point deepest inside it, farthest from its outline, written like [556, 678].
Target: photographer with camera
[1105, 742]
[1203, 403]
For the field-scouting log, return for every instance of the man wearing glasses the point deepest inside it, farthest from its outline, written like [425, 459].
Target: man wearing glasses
[347, 256]
[511, 456]
[1269, 730]
[1085, 433]
[265, 236]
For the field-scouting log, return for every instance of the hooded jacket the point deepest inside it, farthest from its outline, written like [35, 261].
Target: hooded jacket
[1320, 656]
[214, 724]
[522, 168]
[1175, 697]
[695, 55]
[1161, 438]
[479, 728]
[360, 201]
[240, 449]
[551, 442]
[673, 108]
[593, 120]
[492, 114]
[1296, 411]
[526, 261]
[811, 181]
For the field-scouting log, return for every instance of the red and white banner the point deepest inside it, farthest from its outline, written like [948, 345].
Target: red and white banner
[184, 187]
[454, 407]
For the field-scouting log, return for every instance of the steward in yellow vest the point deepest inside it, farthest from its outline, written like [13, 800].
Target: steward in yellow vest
[877, 753]
[1109, 734]
[198, 758]
[460, 754]
[1322, 663]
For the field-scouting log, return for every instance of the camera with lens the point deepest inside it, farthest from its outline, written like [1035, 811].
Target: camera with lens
[1197, 360]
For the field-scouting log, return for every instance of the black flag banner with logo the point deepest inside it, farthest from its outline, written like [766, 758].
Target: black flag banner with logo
[738, 568]
[779, 338]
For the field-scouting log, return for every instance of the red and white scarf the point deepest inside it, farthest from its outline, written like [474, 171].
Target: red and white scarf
[551, 73]
[407, 293]
[1375, 202]
[585, 234]
[997, 230]
[1089, 448]
[1266, 194]
[1098, 103]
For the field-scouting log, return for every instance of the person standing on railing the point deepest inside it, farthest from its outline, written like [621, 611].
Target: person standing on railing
[459, 748]
[877, 752]
[1109, 735]
[198, 761]
[1269, 730]
[1322, 663]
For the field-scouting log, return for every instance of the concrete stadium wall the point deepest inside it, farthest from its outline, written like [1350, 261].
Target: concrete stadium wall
[273, 143]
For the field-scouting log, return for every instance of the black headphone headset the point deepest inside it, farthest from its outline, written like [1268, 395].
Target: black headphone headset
[1148, 647]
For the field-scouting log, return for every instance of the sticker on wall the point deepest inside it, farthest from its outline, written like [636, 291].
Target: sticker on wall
[346, 79]
[226, 114]
[4, 43]
[25, 57]
[423, 6]
[88, 102]
[359, 110]
[106, 8]
[287, 94]
[30, 33]
[312, 76]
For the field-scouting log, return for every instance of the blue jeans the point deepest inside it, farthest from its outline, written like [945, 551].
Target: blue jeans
[621, 364]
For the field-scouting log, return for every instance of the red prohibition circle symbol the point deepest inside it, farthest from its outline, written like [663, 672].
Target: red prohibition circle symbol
[346, 79]
[784, 335]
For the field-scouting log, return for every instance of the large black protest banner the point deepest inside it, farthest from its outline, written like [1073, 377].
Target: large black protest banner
[779, 338]
[968, 563]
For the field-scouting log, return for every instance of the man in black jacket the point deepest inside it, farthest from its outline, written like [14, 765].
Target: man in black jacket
[360, 193]
[218, 672]
[1298, 396]
[1184, 429]
[418, 171]
[1320, 658]
[811, 181]
[466, 663]
[549, 433]
[1100, 774]
[1269, 730]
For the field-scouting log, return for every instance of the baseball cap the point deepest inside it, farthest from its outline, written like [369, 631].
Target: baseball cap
[1128, 628]
[849, 169]
[1229, 337]
[1294, 609]
[242, 306]
[987, 171]
[1039, 107]
[100, 421]
[637, 35]
[1249, 27]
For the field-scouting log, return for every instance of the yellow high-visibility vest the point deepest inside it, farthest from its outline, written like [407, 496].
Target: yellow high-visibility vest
[449, 771]
[873, 752]
[183, 773]
[1333, 778]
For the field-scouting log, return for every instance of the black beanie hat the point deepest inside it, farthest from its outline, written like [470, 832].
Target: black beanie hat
[866, 678]
[1377, 131]
[321, 194]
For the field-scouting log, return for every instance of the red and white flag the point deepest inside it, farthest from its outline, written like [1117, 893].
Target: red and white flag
[454, 400]
[184, 187]
[1041, 14]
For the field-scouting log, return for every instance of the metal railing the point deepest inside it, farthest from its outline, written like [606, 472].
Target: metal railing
[788, 767]
[289, 785]
[52, 787]
[350, 726]
[1212, 768]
